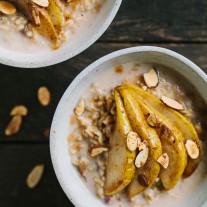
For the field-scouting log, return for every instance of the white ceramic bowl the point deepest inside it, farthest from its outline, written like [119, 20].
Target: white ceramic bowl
[67, 175]
[68, 49]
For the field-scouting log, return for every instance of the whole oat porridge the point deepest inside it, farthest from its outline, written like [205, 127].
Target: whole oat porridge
[137, 141]
[27, 25]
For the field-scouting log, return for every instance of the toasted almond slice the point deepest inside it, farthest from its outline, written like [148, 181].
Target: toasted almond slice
[34, 176]
[142, 156]
[133, 141]
[14, 125]
[7, 8]
[43, 3]
[192, 149]
[19, 110]
[44, 96]
[164, 160]
[151, 78]
[172, 103]
[80, 107]
[96, 150]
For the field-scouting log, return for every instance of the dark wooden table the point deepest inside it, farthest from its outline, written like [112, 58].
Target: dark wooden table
[177, 25]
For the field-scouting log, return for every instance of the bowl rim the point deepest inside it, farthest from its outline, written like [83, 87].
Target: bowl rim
[22, 61]
[81, 75]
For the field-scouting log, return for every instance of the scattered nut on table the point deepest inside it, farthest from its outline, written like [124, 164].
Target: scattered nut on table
[44, 96]
[20, 110]
[14, 125]
[35, 176]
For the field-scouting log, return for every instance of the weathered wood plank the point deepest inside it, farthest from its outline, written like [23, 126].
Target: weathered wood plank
[19, 86]
[16, 161]
[159, 21]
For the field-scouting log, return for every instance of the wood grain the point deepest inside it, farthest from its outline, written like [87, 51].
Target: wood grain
[159, 21]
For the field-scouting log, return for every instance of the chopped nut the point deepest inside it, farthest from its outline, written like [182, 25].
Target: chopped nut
[133, 141]
[80, 107]
[164, 160]
[19, 110]
[151, 78]
[143, 181]
[82, 168]
[43, 3]
[96, 150]
[44, 96]
[152, 120]
[142, 156]
[192, 149]
[35, 176]
[14, 125]
[172, 103]
[7, 8]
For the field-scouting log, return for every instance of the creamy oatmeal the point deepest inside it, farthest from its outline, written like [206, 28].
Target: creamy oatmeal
[136, 140]
[27, 25]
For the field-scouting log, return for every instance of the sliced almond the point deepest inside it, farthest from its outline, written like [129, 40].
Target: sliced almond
[164, 160]
[14, 125]
[142, 156]
[172, 103]
[133, 141]
[19, 110]
[192, 149]
[151, 78]
[80, 107]
[44, 96]
[34, 176]
[96, 150]
[7, 8]
[153, 121]
[42, 3]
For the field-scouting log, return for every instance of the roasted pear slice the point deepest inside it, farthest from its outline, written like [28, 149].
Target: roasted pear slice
[147, 174]
[187, 129]
[46, 28]
[172, 144]
[56, 16]
[120, 166]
